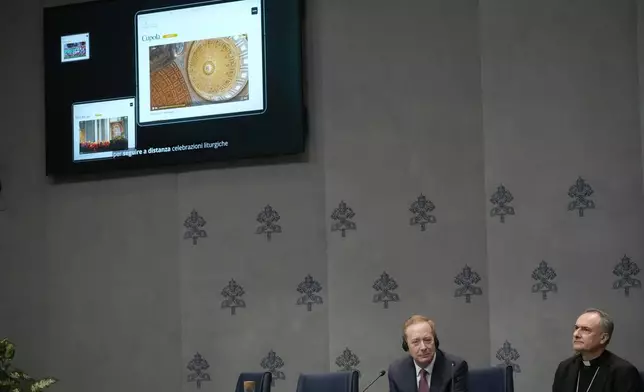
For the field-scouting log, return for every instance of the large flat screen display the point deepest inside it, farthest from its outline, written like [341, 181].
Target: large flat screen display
[143, 83]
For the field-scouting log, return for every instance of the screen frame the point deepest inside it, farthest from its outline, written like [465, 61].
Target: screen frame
[254, 142]
[197, 4]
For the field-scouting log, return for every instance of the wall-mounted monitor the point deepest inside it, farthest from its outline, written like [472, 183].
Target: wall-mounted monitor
[145, 83]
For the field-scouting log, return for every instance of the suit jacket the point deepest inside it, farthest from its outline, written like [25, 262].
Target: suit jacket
[402, 374]
[615, 375]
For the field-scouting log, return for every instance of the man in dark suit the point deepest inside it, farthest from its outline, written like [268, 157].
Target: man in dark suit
[593, 368]
[426, 369]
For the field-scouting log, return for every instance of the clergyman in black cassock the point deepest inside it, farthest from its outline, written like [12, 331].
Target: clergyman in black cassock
[593, 368]
[606, 373]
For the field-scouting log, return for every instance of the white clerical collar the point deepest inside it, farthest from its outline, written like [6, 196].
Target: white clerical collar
[592, 361]
[428, 368]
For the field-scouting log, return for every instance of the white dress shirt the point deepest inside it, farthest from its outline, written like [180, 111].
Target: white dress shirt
[429, 369]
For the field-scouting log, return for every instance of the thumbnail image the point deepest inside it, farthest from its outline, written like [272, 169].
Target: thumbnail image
[201, 72]
[75, 50]
[103, 135]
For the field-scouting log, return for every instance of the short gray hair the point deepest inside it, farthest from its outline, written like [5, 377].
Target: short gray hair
[605, 322]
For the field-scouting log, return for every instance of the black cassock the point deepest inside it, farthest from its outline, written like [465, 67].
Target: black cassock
[606, 373]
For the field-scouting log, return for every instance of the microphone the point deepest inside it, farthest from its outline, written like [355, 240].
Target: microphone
[453, 365]
[382, 373]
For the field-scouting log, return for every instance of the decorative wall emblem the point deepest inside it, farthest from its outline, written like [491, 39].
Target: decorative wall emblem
[508, 355]
[268, 219]
[544, 275]
[198, 366]
[385, 285]
[194, 227]
[580, 193]
[343, 215]
[232, 294]
[309, 288]
[467, 280]
[501, 199]
[421, 209]
[273, 363]
[626, 270]
[347, 361]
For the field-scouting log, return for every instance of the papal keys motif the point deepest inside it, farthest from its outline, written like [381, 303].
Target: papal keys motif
[310, 289]
[545, 276]
[268, 219]
[467, 280]
[342, 216]
[580, 193]
[198, 366]
[501, 200]
[274, 363]
[626, 270]
[422, 208]
[385, 285]
[508, 356]
[232, 293]
[194, 227]
[347, 361]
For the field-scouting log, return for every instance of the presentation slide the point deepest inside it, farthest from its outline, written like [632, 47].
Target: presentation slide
[104, 129]
[204, 60]
[74, 47]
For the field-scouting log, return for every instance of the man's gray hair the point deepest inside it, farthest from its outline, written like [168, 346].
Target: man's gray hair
[605, 322]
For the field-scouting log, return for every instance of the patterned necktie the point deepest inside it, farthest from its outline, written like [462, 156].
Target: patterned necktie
[423, 386]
